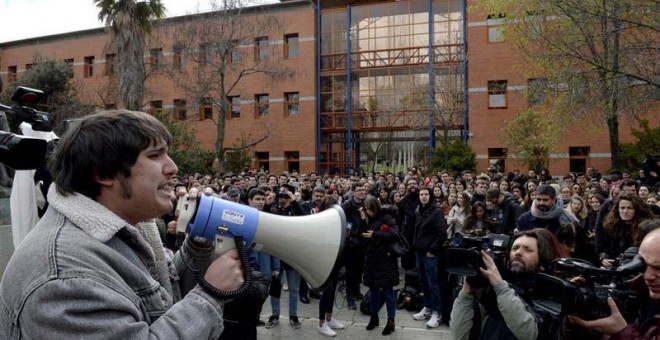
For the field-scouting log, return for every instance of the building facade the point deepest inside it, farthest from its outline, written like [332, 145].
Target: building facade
[332, 86]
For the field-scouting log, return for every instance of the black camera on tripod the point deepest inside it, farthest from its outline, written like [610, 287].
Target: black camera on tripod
[463, 256]
[19, 152]
[560, 296]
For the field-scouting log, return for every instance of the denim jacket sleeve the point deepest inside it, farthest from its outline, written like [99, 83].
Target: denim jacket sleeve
[94, 310]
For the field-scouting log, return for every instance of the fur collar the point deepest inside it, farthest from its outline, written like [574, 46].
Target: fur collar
[90, 216]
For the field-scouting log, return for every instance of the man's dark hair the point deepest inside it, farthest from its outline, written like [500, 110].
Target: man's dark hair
[546, 190]
[356, 185]
[492, 193]
[319, 189]
[254, 192]
[544, 244]
[103, 146]
[628, 182]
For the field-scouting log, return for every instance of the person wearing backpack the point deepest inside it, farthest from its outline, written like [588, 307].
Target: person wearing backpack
[381, 268]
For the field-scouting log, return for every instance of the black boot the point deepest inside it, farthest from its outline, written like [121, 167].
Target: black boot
[373, 322]
[389, 328]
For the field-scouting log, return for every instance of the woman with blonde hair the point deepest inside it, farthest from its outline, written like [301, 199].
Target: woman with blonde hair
[576, 208]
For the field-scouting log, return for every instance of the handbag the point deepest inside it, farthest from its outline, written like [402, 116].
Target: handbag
[399, 247]
[275, 289]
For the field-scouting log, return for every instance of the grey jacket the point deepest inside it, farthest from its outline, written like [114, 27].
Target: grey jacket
[84, 273]
[518, 316]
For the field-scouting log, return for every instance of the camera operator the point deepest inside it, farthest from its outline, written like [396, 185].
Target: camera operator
[615, 325]
[504, 308]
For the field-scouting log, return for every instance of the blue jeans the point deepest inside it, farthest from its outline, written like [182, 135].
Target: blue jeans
[293, 280]
[390, 300]
[427, 267]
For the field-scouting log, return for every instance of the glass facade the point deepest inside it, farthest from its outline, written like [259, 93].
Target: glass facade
[389, 72]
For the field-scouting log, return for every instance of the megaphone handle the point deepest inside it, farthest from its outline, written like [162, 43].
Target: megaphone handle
[247, 275]
[186, 208]
[224, 244]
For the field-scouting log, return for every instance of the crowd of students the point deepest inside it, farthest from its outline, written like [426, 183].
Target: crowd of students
[593, 217]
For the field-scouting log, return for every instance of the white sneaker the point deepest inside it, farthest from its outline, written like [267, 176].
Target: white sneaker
[326, 330]
[334, 324]
[434, 321]
[423, 314]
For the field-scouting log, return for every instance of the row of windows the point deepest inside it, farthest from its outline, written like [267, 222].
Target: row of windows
[497, 90]
[261, 106]
[577, 156]
[292, 160]
[156, 58]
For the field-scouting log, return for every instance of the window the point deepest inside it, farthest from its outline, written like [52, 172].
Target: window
[110, 60]
[180, 109]
[156, 58]
[292, 103]
[178, 58]
[235, 106]
[260, 48]
[494, 24]
[261, 105]
[578, 158]
[536, 91]
[89, 67]
[291, 49]
[292, 160]
[262, 160]
[496, 94]
[497, 158]
[12, 73]
[206, 109]
[156, 106]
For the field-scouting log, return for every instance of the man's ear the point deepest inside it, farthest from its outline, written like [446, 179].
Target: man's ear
[104, 182]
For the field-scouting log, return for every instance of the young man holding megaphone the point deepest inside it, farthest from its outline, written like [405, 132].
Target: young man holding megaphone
[90, 268]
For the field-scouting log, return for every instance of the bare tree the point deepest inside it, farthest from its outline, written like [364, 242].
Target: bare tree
[214, 54]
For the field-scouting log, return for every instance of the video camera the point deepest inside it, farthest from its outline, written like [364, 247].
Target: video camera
[464, 255]
[19, 152]
[559, 296]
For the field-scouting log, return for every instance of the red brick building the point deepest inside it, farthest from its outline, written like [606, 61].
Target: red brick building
[354, 86]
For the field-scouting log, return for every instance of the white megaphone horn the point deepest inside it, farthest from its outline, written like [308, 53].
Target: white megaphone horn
[311, 244]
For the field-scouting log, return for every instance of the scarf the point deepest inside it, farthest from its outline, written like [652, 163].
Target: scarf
[557, 212]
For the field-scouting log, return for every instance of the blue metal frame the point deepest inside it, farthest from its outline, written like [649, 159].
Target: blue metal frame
[318, 86]
[431, 101]
[466, 130]
[349, 111]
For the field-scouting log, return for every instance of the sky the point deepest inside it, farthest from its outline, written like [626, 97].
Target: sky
[21, 19]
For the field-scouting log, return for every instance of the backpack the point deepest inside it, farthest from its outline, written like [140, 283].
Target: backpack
[410, 299]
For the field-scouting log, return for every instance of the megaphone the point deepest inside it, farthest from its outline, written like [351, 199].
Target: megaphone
[310, 244]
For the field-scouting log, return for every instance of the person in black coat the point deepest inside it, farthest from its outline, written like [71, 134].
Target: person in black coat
[430, 235]
[381, 268]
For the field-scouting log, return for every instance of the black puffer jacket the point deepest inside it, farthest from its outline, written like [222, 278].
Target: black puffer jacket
[380, 268]
[430, 229]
